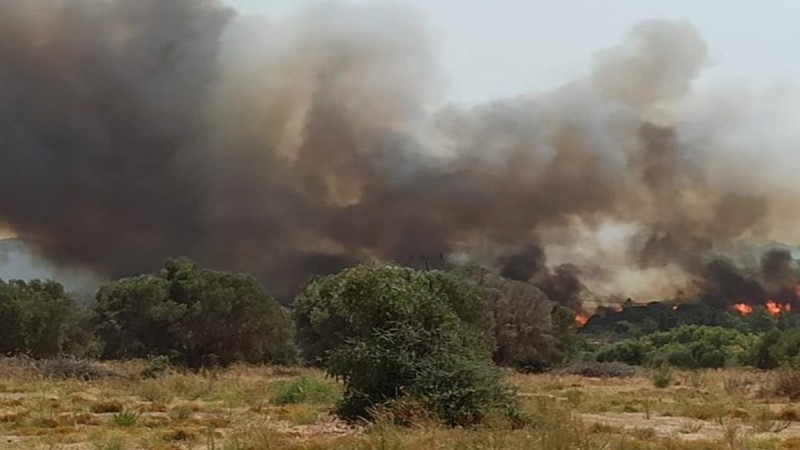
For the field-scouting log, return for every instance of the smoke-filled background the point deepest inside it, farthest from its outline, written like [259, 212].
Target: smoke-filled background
[134, 131]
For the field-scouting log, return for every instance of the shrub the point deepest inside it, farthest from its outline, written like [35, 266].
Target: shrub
[304, 390]
[533, 334]
[391, 333]
[39, 319]
[69, 367]
[777, 349]
[600, 370]
[688, 347]
[125, 419]
[196, 316]
[787, 384]
[662, 377]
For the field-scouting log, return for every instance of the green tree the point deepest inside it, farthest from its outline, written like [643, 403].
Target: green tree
[395, 334]
[38, 318]
[196, 316]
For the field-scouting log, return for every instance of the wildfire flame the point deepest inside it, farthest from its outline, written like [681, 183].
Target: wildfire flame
[581, 319]
[774, 308]
[743, 309]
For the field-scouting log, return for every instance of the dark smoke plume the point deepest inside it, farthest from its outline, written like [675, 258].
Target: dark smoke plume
[135, 130]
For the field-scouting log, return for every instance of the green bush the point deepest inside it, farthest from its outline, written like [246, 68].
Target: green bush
[391, 333]
[195, 316]
[662, 377]
[688, 347]
[39, 319]
[777, 348]
[533, 333]
[304, 390]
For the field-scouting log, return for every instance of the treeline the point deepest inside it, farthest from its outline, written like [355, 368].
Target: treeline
[398, 338]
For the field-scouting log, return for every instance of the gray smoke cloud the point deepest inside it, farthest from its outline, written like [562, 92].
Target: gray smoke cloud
[133, 131]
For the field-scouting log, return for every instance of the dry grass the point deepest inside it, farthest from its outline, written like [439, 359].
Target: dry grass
[238, 409]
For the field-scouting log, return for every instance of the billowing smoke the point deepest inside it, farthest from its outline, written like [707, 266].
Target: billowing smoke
[132, 131]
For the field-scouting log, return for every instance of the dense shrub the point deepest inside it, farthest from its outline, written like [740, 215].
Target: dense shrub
[39, 319]
[533, 333]
[69, 367]
[689, 347]
[777, 349]
[196, 316]
[600, 370]
[391, 333]
[304, 389]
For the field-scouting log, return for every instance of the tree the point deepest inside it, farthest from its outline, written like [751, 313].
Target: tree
[532, 332]
[39, 319]
[196, 316]
[395, 334]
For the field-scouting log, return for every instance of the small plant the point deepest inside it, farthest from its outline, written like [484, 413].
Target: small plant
[662, 377]
[182, 412]
[304, 390]
[68, 367]
[103, 407]
[159, 366]
[697, 379]
[125, 419]
[600, 370]
[574, 397]
[112, 443]
[691, 427]
[735, 385]
[787, 384]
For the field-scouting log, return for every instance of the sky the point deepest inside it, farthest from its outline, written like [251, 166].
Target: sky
[499, 48]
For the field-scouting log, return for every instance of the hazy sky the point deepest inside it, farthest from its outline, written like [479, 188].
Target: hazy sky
[493, 48]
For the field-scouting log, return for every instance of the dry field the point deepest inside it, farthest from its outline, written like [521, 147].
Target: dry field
[285, 408]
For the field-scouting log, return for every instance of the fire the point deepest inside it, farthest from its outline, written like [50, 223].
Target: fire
[743, 309]
[581, 319]
[774, 308]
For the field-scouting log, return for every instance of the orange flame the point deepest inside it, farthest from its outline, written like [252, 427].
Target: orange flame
[774, 308]
[581, 319]
[743, 309]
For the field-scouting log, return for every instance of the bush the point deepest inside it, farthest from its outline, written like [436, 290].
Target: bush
[533, 334]
[600, 370]
[777, 349]
[391, 333]
[662, 377]
[39, 319]
[688, 347]
[68, 367]
[787, 384]
[195, 316]
[304, 390]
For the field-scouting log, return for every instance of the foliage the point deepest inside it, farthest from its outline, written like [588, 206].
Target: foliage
[70, 367]
[787, 384]
[600, 370]
[533, 333]
[777, 348]
[390, 333]
[196, 316]
[662, 377]
[689, 347]
[39, 319]
[304, 390]
[125, 418]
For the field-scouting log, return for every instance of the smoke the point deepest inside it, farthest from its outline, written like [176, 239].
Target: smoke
[133, 131]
